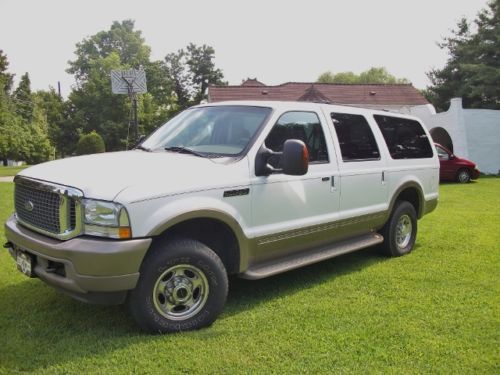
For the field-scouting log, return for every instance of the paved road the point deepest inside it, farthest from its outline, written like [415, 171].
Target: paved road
[7, 179]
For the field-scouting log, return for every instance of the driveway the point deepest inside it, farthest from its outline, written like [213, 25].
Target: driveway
[7, 179]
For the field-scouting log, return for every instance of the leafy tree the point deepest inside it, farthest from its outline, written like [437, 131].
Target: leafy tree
[192, 70]
[62, 134]
[23, 124]
[23, 98]
[375, 75]
[200, 61]
[120, 39]
[91, 143]
[39, 148]
[92, 105]
[472, 70]
[6, 79]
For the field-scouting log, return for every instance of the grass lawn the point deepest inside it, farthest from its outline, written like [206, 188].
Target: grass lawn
[10, 171]
[436, 310]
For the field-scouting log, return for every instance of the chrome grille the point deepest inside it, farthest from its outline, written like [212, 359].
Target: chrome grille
[38, 208]
[48, 208]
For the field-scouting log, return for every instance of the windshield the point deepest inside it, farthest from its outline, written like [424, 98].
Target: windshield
[217, 130]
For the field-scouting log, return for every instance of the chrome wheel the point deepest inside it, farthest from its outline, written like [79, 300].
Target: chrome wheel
[403, 231]
[463, 176]
[180, 292]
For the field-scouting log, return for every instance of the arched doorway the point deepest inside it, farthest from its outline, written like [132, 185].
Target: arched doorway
[441, 136]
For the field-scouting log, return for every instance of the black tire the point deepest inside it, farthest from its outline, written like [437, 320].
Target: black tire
[463, 176]
[174, 271]
[399, 238]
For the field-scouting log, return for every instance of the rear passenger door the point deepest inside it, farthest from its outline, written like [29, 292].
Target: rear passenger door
[362, 177]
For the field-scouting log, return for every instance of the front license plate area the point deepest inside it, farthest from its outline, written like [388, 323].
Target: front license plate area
[25, 263]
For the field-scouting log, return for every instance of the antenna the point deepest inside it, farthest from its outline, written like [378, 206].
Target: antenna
[130, 82]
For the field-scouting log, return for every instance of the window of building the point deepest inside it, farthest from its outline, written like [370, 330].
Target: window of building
[304, 126]
[355, 136]
[405, 138]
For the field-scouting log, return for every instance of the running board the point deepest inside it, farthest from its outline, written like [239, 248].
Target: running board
[307, 257]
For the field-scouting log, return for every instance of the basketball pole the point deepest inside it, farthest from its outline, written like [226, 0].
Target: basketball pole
[136, 124]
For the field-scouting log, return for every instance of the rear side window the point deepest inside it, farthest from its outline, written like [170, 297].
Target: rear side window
[356, 139]
[405, 138]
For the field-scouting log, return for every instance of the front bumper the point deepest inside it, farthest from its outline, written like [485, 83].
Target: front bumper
[87, 268]
[475, 174]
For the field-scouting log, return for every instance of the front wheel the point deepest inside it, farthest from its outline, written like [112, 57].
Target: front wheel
[400, 231]
[183, 286]
[463, 176]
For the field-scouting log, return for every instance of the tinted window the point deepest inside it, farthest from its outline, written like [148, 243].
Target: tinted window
[405, 139]
[356, 139]
[304, 126]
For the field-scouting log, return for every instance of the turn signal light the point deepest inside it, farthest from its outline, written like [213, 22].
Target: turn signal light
[124, 232]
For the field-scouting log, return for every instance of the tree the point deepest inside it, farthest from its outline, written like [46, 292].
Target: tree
[120, 39]
[91, 143]
[23, 98]
[61, 132]
[192, 70]
[92, 105]
[375, 75]
[472, 70]
[6, 79]
[200, 61]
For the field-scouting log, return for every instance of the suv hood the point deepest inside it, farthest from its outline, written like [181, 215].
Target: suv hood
[137, 175]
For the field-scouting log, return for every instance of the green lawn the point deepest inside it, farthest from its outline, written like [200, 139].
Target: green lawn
[436, 310]
[10, 171]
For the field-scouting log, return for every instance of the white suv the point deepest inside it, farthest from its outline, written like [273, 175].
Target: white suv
[246, 188]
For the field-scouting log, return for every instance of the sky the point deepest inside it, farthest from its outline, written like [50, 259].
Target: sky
[274, 41]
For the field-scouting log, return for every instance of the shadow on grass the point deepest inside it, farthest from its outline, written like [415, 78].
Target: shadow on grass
[41, 327]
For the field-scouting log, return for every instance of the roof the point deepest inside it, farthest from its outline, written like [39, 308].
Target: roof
[357, 94]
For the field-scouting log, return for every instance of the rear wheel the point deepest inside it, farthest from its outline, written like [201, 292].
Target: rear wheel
[400, 231]
[463, 176]
[183, 286]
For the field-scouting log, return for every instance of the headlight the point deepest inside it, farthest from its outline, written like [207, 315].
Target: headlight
[106, 219]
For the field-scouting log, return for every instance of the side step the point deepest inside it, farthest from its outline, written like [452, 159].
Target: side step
[307, 257]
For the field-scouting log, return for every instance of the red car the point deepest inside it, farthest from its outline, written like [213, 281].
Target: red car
[454, 168]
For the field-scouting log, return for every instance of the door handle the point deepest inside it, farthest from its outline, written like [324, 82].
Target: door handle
[325, 179]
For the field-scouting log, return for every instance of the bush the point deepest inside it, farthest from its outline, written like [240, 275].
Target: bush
[91, 143]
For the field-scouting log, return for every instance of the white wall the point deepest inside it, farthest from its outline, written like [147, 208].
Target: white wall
[475, 132]
[483, 138]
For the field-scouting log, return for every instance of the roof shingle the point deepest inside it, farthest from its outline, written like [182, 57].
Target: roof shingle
[357, 94]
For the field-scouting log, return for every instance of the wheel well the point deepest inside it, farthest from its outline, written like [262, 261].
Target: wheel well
[214, 233]
[412, 196]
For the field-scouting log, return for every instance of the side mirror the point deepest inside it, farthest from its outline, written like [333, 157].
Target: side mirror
[452, 156]
[295, 158]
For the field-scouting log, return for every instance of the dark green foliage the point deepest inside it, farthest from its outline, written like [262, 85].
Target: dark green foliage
[92, 105]
[472, 71]
[91, 143]
[375, 75]
[192, 70]
[23, 99]
[23, 123]
[5, 77]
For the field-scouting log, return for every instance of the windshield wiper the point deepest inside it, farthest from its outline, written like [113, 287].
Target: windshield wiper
[140, 147]
[184, 150]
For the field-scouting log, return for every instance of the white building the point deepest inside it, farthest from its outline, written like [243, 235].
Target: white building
[470, 133]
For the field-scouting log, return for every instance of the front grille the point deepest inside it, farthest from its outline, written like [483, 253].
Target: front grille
[38, 208]
[47, 208]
